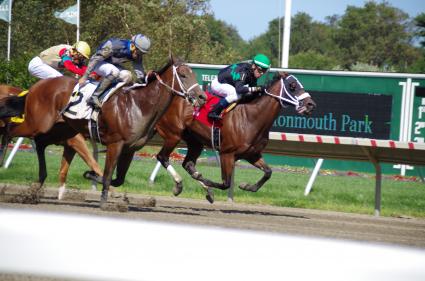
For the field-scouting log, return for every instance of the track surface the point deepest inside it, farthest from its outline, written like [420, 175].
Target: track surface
[303, 222]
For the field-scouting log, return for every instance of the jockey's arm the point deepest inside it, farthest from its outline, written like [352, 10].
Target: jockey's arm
[139, 70]
[240, 87]
[73, 68]
[67, 63]
[101, 55]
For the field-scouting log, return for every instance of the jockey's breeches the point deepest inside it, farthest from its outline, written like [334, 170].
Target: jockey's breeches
[39, 69]
[224, 90]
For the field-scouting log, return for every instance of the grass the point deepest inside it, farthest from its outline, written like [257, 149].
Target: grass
[354, 194]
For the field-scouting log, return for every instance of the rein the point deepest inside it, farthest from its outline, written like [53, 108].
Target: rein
[184, 92]
[294, 100]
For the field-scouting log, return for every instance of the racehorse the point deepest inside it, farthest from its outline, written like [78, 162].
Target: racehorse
[6, 91]
[60, 133]
[244, 133]
[126, 121]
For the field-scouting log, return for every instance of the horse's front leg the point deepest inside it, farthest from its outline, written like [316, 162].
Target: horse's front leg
[164, 158]
[257, 161]
[113, 151]
[123, 165]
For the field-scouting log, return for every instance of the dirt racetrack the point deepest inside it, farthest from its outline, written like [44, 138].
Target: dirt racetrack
[303, 222]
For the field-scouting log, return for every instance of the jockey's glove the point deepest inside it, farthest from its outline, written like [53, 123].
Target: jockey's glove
[255, 89]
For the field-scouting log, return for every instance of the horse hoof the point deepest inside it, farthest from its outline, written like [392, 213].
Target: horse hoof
[88, 175]
[103, 198]
[196, 175]
[210, 196]
[61, 192]
[115, 195]
[243, 186]
[91, 175]
[178, 189]
[247, 187]
[117, 182]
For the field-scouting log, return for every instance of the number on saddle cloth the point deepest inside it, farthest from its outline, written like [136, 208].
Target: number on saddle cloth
[77, 107]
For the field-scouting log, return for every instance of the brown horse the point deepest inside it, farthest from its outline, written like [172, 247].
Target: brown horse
[127, 119]
[244, 133]
[59, 134]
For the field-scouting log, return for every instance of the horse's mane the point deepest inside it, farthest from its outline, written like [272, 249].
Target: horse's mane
[277, 76]
[171, 61]
[249, 98]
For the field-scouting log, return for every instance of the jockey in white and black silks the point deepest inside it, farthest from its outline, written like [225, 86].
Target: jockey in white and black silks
[108, 59]
[55, 60]
[236, 80]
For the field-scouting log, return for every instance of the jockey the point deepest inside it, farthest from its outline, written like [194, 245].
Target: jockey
[108, 59]
[237, 80]
[51, 62]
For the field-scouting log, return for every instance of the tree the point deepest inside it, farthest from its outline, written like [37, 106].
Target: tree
[312, 60]
[226, 44]
[420, 26]
[376, 34]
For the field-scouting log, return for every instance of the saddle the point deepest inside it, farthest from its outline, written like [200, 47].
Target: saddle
[202, 116]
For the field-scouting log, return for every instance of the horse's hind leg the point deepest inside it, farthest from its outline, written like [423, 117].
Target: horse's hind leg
[40, 147]
[189, 164]
[164, 158]
[227, 163]
[258, 162]
[5, 139]
[67, 157]
[78, 143]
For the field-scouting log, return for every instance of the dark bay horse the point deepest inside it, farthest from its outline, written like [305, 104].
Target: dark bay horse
[127, 119]
[6, 91]
[59, 134]
[244, 133]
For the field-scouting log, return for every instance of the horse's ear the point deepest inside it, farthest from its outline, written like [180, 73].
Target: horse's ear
[171, 57]
[283, 74]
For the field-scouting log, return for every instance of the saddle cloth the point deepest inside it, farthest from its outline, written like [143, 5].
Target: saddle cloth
[77, 106]
[202, 114]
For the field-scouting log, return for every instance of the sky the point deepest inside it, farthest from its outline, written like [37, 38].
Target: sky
[251, 17]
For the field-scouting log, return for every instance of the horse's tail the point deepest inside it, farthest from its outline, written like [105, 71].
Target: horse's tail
[12, 106]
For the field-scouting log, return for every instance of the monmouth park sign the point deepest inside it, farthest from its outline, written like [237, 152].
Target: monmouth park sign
[347, 114]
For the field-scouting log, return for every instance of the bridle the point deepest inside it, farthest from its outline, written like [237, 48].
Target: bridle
[286, 96]
[184, 92]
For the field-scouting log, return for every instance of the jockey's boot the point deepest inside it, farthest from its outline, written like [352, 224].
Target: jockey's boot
[94, 100]
[218, 108]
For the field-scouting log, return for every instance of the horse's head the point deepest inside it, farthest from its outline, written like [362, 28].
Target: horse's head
[189, 85]
[289, 90]
[182, 81]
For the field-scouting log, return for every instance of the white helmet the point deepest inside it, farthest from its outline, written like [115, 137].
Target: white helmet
[142, 42]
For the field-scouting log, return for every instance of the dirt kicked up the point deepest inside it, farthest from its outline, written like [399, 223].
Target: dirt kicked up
[33, 194]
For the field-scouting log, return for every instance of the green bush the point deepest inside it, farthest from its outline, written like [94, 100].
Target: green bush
[15, 72]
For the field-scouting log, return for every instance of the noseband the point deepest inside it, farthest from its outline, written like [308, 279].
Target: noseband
[185, 92]
[286, 96]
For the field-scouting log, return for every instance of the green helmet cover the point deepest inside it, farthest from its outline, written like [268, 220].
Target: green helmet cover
[261, 60]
